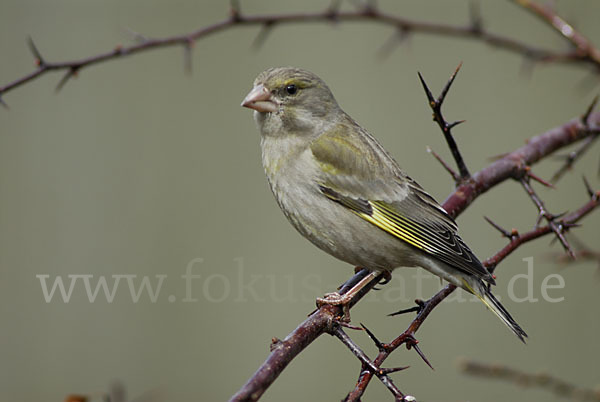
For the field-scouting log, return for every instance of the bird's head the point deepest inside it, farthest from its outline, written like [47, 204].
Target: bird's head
[289, 100]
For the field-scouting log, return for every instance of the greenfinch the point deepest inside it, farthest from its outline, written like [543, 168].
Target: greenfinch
[346, 194]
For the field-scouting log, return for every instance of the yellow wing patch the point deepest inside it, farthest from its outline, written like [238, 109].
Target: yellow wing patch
[394, 226]
[433, 238]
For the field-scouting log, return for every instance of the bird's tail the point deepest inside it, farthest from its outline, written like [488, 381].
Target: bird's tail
[482, 291]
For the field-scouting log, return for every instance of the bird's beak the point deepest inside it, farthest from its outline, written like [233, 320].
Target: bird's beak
[260, 99]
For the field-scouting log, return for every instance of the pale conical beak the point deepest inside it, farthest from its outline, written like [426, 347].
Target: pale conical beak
[260, 99]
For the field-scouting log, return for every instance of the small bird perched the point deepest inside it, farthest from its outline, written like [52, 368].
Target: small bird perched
[345, 193]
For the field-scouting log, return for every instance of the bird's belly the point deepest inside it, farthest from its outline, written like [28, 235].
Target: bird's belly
[341, 233]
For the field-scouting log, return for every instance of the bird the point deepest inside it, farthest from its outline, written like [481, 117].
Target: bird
[346, 194]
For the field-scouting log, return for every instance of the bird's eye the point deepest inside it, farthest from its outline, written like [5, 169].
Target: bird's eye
[291, 89]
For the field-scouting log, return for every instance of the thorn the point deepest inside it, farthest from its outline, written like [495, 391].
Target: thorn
[539, 179]
[333, 9]
[234, 10]
[420, 304]
[3, 103]
[475, 16]
[136, 36]
[275, 342]
[446, 88]
[68, 75]
[588, 188]
[370, 6]
[567, 246]
[187, 56]
[262, 35]
[588, 112]
[498, 156]
[406, 310]
[430, 97]
[371, 335]
[39, 60]
[454, 124]
[499, 228]
[528, 64]
[563, 157]
[395, 40]
[451, 171]
[572, 156]
[348, 325]
[387, 371]
[413, 343]
[538, 220]
[558, 230]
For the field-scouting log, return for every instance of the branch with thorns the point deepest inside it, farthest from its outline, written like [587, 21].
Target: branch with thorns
[514, 165]
[585, 53]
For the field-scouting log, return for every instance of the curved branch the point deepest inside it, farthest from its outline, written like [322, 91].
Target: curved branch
[512, 165]
[555, 385]
[425, 308]
[474, 31]
[283, 351]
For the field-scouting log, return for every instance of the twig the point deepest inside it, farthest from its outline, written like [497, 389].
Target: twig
[543, 213]
[407, 337]
[566, 222]
[365, 14]
[545, 381]
[583, 252]
[583, 46]
[585, 145]
[445, 165]
[379, 372]
[514, 164]
[509, 235]
[436, 106]
[283, 351]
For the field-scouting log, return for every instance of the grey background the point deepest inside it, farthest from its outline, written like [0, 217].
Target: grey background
[137, 168]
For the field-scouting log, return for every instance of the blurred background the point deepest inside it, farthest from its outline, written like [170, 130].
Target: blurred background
[139, 173]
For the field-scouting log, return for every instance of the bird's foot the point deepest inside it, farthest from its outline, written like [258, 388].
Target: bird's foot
[387, 277]
[336, 299]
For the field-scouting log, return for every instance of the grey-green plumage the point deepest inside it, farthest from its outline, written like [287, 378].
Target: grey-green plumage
[342, 191]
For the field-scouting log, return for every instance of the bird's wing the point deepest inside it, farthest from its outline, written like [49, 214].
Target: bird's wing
[359, 175]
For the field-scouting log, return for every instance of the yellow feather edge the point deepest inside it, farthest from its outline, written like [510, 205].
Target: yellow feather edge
[380, 220]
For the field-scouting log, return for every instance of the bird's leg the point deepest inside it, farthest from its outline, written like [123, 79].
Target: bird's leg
[344, 300]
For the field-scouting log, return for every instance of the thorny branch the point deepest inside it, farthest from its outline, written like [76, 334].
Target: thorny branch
[557, 228]
[425, 307]
[515, 165]
[585, 53]
[573, 156]
[583, 46]
[436, 107]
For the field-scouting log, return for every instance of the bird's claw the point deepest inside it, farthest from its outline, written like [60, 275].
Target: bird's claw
[336, 299]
